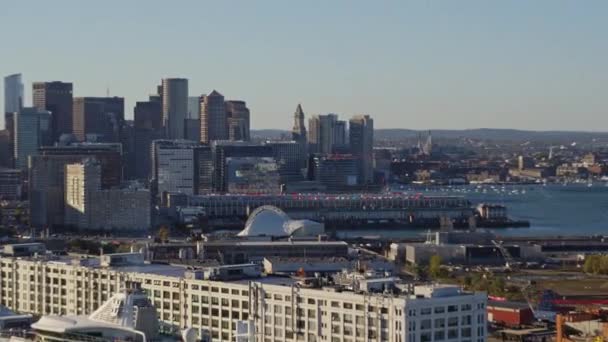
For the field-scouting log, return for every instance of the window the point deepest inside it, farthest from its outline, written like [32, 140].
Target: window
[439, 335]
[465, 307]
[452, 321]
[425, 337]
[425, 311]
[439, 323]
[425, 324]
[439, 309]
[335, 317]
[465, 332]
[452, 308]
[452, 333]
[466, 320]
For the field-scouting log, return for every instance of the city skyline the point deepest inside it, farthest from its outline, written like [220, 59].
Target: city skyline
[421, 65]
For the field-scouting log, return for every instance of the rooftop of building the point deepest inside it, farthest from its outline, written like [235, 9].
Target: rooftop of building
[304, 260]
[508, 304]
[274, 243]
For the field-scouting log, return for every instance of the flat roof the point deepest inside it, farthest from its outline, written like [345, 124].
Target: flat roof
[275, 243]
[268, 280]
[508, 304]
[305, 260]
[157, 269]
[533, 331]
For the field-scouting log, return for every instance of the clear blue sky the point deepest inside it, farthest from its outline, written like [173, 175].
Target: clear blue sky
[539, 64]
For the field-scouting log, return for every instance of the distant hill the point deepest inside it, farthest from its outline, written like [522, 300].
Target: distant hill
[496, 134]
[479, 133]
[269, 133]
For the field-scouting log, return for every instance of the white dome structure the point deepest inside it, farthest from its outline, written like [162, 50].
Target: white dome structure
[269, 220]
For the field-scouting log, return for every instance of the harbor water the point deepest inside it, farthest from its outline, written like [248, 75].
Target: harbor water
[552, 209]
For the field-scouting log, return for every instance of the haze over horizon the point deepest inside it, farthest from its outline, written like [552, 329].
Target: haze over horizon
[418, 65]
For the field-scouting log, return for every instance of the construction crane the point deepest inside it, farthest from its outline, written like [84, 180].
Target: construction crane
[511, 264]
[509, 261]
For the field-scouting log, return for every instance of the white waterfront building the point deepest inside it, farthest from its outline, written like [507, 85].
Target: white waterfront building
[279, 308]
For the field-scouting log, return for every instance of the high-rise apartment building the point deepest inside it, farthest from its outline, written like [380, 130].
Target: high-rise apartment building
[47, 177]
[175, 106]
[55, 97]
[238, 120]
[102, 117]
[214, 118]
[31, 129]
[326, 133]
[13, 93]
[82, 179]
[361, 137]
[89, 207]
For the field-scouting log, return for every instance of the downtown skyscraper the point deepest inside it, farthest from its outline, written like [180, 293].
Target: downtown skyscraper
[361, 138]
[214, 118]
[13, 93]
[238, 120]
[31, 129]
[298, 132]
[99, 116]
[326, 133]
[174, 97]
[56, 97]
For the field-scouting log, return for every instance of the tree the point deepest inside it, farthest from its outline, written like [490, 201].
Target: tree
[497, 286]
[435, 266]
[592, 264]
[163, 234]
